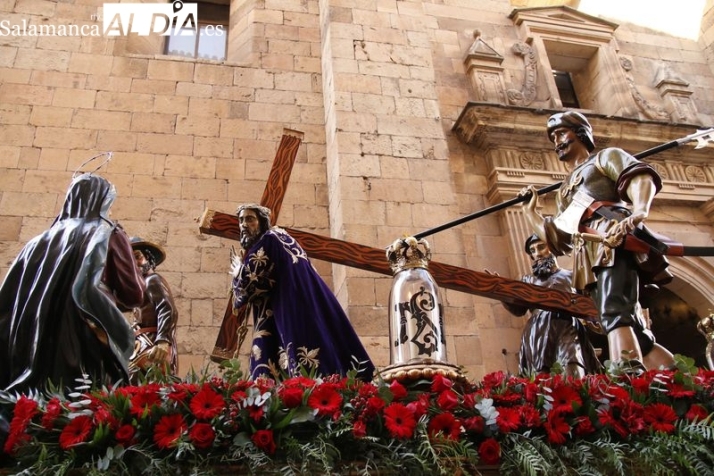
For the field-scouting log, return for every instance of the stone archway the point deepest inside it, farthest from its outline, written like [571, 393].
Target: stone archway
[677, 308]
[694, 282]
[674, 323]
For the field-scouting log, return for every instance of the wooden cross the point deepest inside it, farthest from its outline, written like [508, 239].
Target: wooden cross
[373, 259]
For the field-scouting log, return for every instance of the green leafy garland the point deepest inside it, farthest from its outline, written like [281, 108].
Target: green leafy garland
[619, 422]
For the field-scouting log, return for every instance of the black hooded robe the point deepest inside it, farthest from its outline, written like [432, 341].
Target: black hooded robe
[59, 317]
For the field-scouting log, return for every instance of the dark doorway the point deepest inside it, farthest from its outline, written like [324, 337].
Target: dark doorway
[674, 324]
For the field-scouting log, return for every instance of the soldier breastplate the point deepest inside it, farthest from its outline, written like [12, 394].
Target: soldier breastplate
[590, 180]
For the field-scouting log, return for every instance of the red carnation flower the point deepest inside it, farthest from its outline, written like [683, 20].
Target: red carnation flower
[181, 392]
[52, 411]
[143, 400]
[506, 398]
[367, 390]
[661, 417]
[207, 404]
[446, 424]
[25, 409]
[508, 419]
[399, 420]
[440, 383]
[168, 430]
[641, 385]
[420, 406]
[399, 391]
[677, 390]
[529, 416]
[23, 413]
[696, 413]
[202, 435]
[299, 381]
[530, 392]
[359, 429]
[325, 400]
[103, 416]
[494, 379]
[447, 400]
[125, 434]
[583, 426]
[470, 400]
[263, 440]
[489, 451]
[564, 397]
[474, 424]
[238, 396]
[14, 440]
[606, 418]
[291, 396]
[633, 416]
[76, 431]
[374, 406]
[556, 428]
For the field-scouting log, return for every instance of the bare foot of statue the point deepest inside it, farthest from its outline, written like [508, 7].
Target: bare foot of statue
[659, 357]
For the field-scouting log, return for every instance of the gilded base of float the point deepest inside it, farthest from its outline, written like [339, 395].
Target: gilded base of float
[425, 369]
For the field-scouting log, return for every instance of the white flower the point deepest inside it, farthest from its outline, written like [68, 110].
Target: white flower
[487, 410]
[255, 398]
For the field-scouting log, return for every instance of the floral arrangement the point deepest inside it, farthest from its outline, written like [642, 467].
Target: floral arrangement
[619, 422]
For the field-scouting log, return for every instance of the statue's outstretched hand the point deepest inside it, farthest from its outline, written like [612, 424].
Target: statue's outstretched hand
[530, 210]
[531, 204]
[159, 352]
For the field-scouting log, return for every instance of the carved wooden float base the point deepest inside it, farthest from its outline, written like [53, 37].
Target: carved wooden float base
[426, 369]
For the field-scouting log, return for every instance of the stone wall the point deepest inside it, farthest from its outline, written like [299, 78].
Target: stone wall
[375, 86]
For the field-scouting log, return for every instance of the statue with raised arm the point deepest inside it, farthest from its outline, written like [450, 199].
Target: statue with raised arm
[606, 195]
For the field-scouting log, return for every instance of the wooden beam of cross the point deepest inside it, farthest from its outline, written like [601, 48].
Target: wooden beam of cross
[374, 259]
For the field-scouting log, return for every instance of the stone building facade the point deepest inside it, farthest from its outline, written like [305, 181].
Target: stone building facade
[412, 114]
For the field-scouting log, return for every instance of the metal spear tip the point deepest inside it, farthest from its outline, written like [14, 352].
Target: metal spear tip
[703, 137]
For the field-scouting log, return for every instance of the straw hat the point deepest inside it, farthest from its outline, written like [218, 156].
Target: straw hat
[147, 246]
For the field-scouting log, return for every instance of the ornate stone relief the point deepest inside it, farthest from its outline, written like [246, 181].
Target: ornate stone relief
[517, 151]
[675, 91]
[695, 174]
[650, 111]
[661, 170]
[527, 94]
[483, 67]
[532, 161]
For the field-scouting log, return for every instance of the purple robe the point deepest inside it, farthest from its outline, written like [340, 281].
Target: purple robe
[297, 319]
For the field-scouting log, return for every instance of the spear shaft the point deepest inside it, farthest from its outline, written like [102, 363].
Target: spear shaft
[700, 136]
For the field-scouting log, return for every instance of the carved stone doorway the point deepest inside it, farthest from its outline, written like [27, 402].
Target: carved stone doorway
[674, 324]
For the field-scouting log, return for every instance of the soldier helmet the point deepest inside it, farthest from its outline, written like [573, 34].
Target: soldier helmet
[575, 121]
[529, 241]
